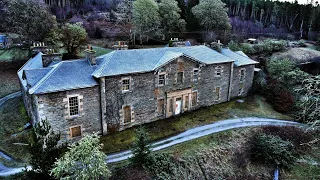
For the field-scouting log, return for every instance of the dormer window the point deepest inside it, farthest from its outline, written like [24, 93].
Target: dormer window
[161, 79]
[218, 71]
[125, 84]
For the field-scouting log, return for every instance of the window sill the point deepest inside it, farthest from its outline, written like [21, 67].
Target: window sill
[74, 117]
[126, 91]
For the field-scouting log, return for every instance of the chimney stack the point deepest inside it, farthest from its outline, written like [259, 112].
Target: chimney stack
[91, 55]
[50, 56]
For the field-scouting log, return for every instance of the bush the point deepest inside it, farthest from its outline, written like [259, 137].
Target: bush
[233, 46]
[301, 43]
[293, 134]
[280, 97]
[271, 150]
[160, 165]
[247, 48]
[141, 150]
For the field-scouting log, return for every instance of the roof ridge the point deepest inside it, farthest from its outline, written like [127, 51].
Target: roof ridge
[40, 53]
[46, 77]
[104, 65]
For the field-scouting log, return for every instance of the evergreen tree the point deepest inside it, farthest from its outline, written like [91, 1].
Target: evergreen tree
[141, 150]
[44, 151]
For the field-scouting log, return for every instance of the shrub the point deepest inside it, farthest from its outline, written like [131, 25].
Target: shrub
[233, 46]
[293, 134]
[247, 48]
[271, 150]
[160, 165]
[280, 97]
[301, 43]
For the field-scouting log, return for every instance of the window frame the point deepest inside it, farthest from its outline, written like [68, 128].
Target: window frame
[242, 77]
[130, 112]
[217, 95]
[218, 71]
[196, 99]
[178, 82]
[78, 105]
[197, 75]
[163, 107]
[122, 84]
[70, 130]
[164, 79]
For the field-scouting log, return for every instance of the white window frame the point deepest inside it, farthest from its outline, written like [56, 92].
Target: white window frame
[195, 79]
[122, 85]
[162, 74]
[218, 69]
[79, 112]
[242, 77]
[81, 129]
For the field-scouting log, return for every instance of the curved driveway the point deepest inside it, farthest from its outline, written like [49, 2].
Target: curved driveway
[187, 136]
[9, 96]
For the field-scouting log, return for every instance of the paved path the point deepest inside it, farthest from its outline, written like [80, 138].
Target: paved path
[203, 131]
[187, 136]
[9, 96]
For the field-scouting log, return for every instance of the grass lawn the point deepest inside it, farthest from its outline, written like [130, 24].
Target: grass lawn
[9, 82]
[14, 54]
[99, 51]
[13, 118]
[253, 106]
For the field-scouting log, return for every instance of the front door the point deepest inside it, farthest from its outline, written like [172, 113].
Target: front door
[178, 106]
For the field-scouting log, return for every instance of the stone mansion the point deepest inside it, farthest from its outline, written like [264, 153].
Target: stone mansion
[128, 87]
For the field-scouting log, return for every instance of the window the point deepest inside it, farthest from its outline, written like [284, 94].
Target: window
[194, 98]
[127, 114]
[162, 79]
[242, 73]
[171, 105]
[73, 106]
[195, 75]
[217, 93]
[161, 106]
[125, 84]
[75, 131]
[218, 71]
[186, 102]
[180, 77]
[241, 87]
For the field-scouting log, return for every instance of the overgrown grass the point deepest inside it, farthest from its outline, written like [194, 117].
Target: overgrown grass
[9, 82]
[253, 106]
[14, 54]
[13, 118]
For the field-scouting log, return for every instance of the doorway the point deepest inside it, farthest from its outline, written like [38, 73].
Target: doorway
[178, 106]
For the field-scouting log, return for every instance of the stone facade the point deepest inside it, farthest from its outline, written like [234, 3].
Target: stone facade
[53, 107]
[145, 91]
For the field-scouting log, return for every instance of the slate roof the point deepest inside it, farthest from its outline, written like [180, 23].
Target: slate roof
[144, 60]
[3, 38]
[66, 75]
[240, 59]
[76, 74]
[35, 75]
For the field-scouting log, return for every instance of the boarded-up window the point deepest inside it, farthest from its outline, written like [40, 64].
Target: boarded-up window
[75, 131]
[162, 79]
[73, 106]
[217, 93]
[171, 105]
[127, 114]
[161, 106]
[125, 84]
[195, 75]
[242, 72]
[194, 98]
[180, 77]
[186, 102]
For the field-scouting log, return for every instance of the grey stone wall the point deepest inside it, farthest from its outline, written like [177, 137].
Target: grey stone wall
[145, 91]
[53, 107]
[247, 83]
